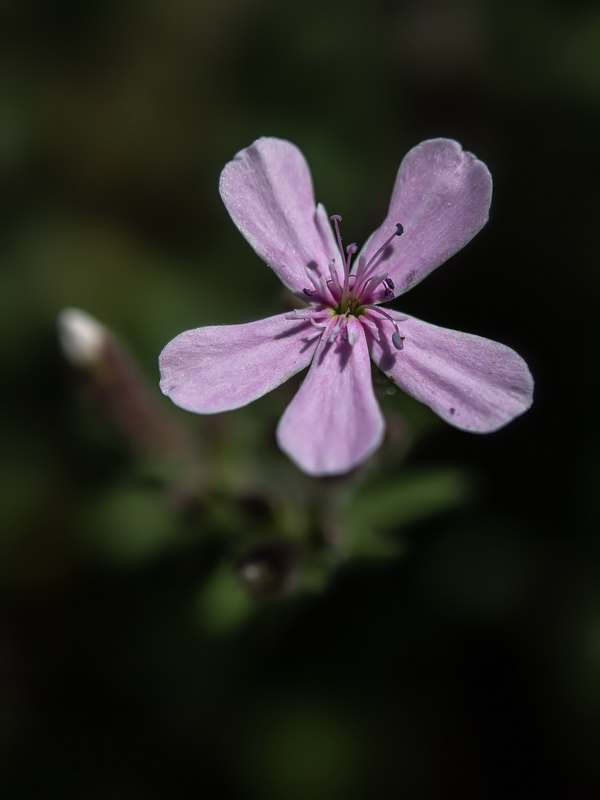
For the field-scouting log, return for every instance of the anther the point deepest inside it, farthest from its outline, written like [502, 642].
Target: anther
[362, 272]
[388, 284]
[397, 340]
[398, 232]
[350, 250]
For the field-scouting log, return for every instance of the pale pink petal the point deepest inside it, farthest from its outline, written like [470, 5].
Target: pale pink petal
[473, 383]
[221, 367]
[334, 422]
[268, 191]
[441, 196]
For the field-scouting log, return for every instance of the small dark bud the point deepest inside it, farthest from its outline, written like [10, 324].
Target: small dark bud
[268, 569]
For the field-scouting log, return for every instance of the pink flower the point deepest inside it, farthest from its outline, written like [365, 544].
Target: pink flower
[440, 201]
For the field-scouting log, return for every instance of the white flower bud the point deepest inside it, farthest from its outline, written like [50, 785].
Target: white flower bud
[82, 338]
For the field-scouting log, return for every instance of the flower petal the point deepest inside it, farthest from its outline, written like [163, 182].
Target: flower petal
[220, 367]
[441, 197]
[473, 383]
[268, 191]
[334, 422]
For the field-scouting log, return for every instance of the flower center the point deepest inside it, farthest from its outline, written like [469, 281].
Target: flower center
[353, 306]
[345, 294]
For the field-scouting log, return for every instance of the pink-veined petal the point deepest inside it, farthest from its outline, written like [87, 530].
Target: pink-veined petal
[473, 383]
[268, 191]
[441, 197]
[221, 367]
[334, 422]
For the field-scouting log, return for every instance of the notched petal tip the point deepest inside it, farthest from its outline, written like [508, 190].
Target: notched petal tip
[442, 195]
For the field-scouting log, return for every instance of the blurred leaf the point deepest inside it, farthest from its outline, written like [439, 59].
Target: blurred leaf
[299, 751]
[129, 524]
[381, 508]
[223, 603]
[580, 62]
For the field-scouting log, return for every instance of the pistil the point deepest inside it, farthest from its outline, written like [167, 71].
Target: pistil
[347, 263]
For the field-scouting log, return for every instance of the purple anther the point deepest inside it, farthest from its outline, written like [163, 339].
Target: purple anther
[389, 283]
[335, 218]
[350, 250]
[309, 292]
[364, 271]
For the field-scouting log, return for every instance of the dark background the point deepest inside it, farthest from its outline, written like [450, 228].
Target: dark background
[428, 628]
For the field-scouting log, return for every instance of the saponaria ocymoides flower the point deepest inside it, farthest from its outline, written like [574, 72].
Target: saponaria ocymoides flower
[440, 200]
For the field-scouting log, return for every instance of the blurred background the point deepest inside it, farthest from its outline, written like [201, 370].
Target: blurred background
[183, 612]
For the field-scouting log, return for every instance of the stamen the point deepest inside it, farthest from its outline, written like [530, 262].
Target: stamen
[335, 278]
[343, 329]
[336, 219]
[397, 339]
[311, 313]
[363, 273]
[371, 327]
[353, 334]
[375, 280]
[370, 284]
[389, 286]
[334, 329]
[350, 250]
[318, 282]
[313, 279]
